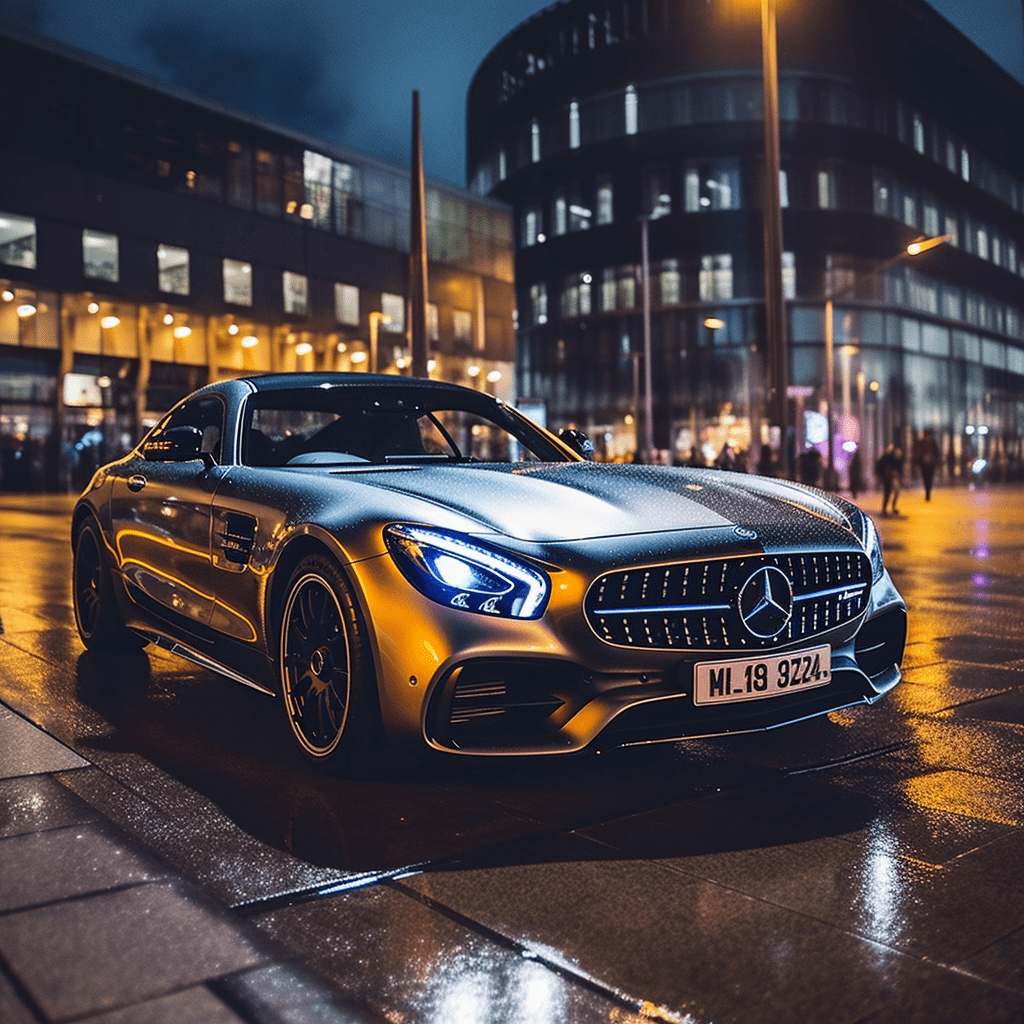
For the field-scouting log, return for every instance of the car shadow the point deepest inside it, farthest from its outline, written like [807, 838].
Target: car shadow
[231, 745]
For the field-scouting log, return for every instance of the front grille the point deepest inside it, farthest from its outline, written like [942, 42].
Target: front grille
[695, 605]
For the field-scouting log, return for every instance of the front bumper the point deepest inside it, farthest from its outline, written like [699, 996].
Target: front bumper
[470, 684]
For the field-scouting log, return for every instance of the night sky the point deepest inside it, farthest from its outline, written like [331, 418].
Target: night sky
[345, 70]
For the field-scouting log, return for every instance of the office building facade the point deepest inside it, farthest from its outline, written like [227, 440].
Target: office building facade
[893, 127]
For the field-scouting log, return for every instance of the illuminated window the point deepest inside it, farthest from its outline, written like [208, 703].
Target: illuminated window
[393, 308]
[534, 141]
[539, 304]
[574, 125]
[576, 295]
[346, 304]
[172, 269]
[712, 186]
[531, 227]
[657, 191]
[788, 275]
[826, 189]
[670, 282]
[17, 241]
[238, 282]
[462, 323]
[560, 215]
[316, 175]
[716, 277]
[605, 200]
[918, 133]
[99, 255]
[632, 111]
[296, 293]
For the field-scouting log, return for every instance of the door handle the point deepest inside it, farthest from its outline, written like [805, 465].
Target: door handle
[136, 482]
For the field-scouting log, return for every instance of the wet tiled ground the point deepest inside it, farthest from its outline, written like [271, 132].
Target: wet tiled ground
[163, 857]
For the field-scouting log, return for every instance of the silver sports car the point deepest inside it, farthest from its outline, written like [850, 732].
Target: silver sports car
[394, 557]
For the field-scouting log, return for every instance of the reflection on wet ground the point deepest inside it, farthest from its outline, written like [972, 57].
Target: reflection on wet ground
[863, 867]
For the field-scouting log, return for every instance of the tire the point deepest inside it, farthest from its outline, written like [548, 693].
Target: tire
[97, 616]
[326, 672]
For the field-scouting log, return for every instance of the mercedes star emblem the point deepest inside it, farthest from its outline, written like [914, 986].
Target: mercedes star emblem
[766, 602]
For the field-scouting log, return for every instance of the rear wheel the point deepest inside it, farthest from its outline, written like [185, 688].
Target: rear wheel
[326, 672]
[97, 616]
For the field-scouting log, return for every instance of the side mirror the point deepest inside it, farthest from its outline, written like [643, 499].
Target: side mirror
[577, 441]
[177, 444]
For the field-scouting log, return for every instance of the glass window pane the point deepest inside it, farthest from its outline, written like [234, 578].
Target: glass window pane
[172, 269]
[393, 308]
[239, 174]
[17, 241]
[296, 293]
[346, 304]
[317, 176]
[238, 282]
[462, 322]
[99, 255]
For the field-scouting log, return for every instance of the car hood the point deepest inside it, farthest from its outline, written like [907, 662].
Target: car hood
[552, 503]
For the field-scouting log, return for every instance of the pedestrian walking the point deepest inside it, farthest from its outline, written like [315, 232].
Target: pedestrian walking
[855, 473]
[926, 458]
[889, 469]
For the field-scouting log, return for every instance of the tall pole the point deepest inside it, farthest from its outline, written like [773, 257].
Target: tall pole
[417, 250]
[648, 455]
[831, 480]
[775, 308]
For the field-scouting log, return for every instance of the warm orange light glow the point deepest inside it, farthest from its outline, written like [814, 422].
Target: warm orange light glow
[714, 324]
[250, 341]
[924, 244]
[110, 321]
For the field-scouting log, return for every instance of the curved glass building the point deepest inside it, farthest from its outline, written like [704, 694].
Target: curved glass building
[593, 116]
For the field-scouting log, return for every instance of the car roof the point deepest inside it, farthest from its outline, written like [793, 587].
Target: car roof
[298, 381]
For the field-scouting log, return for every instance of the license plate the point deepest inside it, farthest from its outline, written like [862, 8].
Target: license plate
[721, 682]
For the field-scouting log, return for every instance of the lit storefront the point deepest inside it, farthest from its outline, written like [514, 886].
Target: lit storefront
[175, 243]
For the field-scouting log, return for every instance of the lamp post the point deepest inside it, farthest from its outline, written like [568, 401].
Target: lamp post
[645, 269]
[774, 300]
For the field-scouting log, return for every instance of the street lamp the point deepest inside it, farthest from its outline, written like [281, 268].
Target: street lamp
[915, 248]
[774, 299]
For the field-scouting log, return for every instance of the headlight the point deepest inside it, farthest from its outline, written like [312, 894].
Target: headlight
[871, 541]
[462, 573]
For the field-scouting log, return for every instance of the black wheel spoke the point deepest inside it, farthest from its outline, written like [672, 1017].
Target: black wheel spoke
[314, 657]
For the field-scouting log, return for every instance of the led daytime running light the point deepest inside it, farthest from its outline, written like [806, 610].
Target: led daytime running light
[455, 571]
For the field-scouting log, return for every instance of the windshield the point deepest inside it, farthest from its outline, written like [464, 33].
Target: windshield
[353, 425]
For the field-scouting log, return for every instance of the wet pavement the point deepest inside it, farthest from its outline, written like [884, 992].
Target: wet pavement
[164, 854]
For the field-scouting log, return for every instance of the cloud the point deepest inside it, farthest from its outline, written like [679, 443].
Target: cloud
[263, 58]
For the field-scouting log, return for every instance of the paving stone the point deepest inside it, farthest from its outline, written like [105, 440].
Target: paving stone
[27, 750]
[45, 866]
[107, 951]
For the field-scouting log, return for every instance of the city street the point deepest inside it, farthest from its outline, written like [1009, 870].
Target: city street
[165, 855]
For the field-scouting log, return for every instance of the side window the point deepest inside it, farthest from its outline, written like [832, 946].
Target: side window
[206, 414]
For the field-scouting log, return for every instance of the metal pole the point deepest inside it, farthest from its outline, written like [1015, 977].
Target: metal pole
[775, 308]
[831, 481]
[417, 250]
[648, 390]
